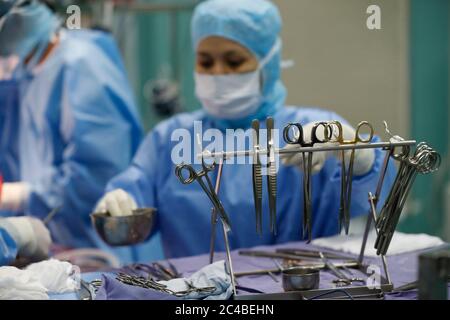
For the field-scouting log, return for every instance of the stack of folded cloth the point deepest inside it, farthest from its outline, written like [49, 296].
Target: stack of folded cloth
[38, 280]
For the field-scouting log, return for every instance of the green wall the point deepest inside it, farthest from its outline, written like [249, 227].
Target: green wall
[150, 42]
[164, 40]
[429, 68]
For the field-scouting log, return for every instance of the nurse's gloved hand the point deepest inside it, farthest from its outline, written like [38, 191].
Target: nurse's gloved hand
[117, 203]
[364, 158]
[31, 236]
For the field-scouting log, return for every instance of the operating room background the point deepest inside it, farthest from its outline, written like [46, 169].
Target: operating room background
[399, 73]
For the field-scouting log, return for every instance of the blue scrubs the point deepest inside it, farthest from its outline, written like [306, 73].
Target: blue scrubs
[72, 126]
[8, 248]
[183, 216]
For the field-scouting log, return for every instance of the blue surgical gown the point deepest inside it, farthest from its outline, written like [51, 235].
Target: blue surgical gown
[183, 215]
[8, 248]
[75, 126]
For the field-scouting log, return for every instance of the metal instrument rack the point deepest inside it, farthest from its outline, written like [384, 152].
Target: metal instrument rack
[386, 283]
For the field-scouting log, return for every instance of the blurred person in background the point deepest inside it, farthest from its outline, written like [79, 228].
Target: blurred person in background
[68, 120]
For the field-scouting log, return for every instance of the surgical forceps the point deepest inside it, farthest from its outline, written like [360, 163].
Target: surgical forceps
[214, 214]
[396, 186]
[208, 187]
[373, 200]
[150, 283]
[342, 279]
[272, 175]
[257, 177]
[347, 175]
[155, 270]
[212, 195]
[425, 160]
[307, 165]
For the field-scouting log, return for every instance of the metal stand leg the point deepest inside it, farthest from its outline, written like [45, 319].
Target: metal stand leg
[374, 217]
[230, 264]
[214, 214]
[364, 242]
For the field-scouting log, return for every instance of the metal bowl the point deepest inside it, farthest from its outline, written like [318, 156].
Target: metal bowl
[124, 230]
[298, 278]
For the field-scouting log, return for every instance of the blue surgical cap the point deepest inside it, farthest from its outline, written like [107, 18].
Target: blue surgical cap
[24, 26]
[256, 25]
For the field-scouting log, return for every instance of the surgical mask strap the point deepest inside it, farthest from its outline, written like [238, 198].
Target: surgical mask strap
[274, 50]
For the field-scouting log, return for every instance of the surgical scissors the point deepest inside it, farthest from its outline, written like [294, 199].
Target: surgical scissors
[208, 187]
[347, 175]
[402, 158]
[212, 195]
[299, 138]
[424, 160]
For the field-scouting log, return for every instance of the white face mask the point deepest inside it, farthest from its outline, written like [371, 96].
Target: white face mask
[233, 96]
